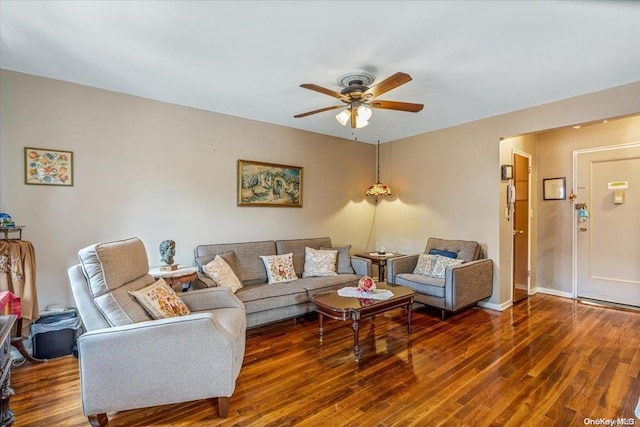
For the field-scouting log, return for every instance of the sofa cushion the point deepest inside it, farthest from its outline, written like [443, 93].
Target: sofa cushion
[319, 263]
[466, 250]
[161, 301]
[425, 264]
[279, 268]
[344, 259]
[222, 273]
[120, 308]
[297, 246]
[315, 285]
[111, 265]
[442, 252]
[422, 284]
[250, 268]
[441, 265]
[265, 297]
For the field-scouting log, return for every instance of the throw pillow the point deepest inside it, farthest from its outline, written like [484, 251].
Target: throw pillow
[425, 264]
[441, 265]
[160, 300]
[222, 273]
[443, 252]
[279, 268]
[319, 263]
[344, 260]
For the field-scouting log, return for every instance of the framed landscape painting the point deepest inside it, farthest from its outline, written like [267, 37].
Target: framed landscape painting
[269, 184]
[43, 166]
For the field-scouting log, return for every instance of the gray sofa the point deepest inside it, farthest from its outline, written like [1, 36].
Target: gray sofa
[463, 285]
[266, 303]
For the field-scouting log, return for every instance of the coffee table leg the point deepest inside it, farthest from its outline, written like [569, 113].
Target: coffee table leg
[320, 330]
[409, 310]
[356, 338]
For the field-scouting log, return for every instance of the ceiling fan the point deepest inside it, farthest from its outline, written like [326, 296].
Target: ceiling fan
[359, 97]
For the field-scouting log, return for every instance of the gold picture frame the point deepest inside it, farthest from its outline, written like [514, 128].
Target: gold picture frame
[44, 166]
[269, 184]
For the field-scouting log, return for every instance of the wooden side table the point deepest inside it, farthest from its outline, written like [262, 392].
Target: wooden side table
[380, 260]
[182, 275]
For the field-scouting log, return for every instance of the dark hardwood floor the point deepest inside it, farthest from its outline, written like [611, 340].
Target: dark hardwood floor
[548, 361]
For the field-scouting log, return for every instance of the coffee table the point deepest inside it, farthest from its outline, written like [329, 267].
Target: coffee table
[334, 306]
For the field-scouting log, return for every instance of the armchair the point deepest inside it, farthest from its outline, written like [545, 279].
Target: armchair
[463, 285]
[129, 360]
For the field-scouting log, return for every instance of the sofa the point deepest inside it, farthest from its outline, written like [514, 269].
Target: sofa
[462, 286]
[129, 357]
[266, 303]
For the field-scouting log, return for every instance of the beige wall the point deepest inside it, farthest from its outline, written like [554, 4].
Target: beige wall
[161, 171]
[447, 183]
[555, 153]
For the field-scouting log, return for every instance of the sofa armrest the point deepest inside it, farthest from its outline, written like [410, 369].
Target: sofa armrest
[404, 264]
[211, 298]
[362, 266]
[119, 366]
[468, 283]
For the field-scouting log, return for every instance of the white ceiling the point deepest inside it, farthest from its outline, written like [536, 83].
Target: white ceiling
[468, 59]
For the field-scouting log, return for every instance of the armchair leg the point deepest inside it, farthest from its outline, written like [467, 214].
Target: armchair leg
[442, 313]
[223, 407]
[99, 420]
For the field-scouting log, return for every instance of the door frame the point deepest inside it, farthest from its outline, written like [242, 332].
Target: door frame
[574, 217]
[515, 151]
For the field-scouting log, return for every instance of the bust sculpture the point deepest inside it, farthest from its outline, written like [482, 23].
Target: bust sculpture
[167, 251]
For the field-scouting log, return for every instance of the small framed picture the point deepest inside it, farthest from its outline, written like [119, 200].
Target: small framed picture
[554, 189]
[43, 166]
[269, 184]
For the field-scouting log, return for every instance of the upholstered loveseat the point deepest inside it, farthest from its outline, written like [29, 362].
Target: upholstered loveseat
[266, 303]
[462, 286]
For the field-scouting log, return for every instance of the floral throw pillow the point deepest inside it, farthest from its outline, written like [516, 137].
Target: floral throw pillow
[425, 264]
[441, 265]
[279, 268]
[222, 274]
[319, 263]
[161, 301]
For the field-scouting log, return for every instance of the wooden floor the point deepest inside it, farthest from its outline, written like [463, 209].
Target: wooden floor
[548, 361]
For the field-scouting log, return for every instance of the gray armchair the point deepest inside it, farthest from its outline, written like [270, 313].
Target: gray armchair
[463, 286]
[129, 360]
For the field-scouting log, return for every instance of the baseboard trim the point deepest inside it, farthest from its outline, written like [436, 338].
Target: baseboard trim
[553, 292]
[496, 307]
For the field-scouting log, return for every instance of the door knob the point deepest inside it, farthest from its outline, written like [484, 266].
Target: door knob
[518, 232]
[583, 228]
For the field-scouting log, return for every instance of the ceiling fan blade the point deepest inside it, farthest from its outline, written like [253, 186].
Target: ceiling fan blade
[326, 91]
[297, 116]
[395, 105]
[386, 85]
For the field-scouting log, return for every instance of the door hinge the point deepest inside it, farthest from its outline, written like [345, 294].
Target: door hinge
[528, 273]
[529, 169]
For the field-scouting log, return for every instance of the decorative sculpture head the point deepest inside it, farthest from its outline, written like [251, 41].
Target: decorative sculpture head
[167, 251]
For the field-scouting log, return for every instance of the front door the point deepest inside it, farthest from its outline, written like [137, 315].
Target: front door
[608, 230]
[521, 173]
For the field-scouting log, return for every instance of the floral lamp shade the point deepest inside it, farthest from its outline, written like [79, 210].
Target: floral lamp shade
[378, 189]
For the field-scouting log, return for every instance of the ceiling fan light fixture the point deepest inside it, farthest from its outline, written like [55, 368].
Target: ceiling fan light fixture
[343, 117]
[364, 113]
[361, 123]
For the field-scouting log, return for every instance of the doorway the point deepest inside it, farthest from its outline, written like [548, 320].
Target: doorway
[606, 232]
[521, 226]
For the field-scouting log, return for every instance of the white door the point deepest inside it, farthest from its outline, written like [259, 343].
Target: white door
[608, 240]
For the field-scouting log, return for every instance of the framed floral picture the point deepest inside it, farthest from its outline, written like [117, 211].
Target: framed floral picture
[269, 184]
[43, 166]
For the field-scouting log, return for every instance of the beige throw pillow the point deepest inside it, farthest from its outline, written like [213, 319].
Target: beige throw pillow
[222, 274]
[160, 300]
[279, 268]
[319, 263]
